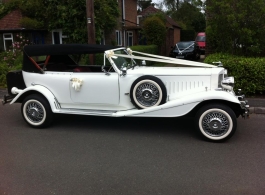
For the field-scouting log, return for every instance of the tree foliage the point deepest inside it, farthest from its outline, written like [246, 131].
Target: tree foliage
[143, 4]
[191, 16]
[154, 29]
[68, 15]
[106, 14]
[236, 27]
[187, 13]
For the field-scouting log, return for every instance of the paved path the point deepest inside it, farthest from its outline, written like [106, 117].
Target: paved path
[128, 156]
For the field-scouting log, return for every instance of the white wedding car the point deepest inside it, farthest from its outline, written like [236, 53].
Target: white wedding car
[53, 81]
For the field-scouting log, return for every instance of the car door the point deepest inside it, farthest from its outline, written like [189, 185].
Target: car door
[94, 88]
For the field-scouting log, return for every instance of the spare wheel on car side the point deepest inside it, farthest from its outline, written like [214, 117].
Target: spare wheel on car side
[148, 91]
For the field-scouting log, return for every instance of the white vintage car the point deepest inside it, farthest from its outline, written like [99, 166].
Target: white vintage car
[53, 81]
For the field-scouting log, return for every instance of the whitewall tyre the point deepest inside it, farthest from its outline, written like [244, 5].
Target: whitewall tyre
[148, 91]
[36, 111]
[216, 122]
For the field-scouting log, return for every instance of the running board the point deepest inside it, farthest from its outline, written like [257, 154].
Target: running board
[85, 112]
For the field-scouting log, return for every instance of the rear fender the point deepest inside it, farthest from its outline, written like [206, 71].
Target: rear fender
[21, 94]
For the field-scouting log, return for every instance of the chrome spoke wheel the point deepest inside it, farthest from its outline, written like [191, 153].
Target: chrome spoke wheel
[34, 111]
[147, 93]
[215, 124]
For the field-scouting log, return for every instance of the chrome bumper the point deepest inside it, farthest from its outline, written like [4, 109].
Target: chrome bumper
[244, 106]
[7, 99]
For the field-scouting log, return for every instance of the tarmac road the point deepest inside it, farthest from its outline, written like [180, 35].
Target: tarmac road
[145, 156]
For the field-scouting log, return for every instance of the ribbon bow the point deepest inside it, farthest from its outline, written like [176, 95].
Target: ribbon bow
[110, 54]
[77, 83]
[129, 51]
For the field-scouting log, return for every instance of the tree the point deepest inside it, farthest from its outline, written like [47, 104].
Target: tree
[154, 29]
[171, 5]
[143, 4]
[236, 27]
[191, 16]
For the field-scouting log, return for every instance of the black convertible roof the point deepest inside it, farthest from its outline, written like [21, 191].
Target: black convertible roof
[65, 49]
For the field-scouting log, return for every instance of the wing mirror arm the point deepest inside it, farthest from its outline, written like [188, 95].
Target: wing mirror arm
[123, 71]
[103, 69]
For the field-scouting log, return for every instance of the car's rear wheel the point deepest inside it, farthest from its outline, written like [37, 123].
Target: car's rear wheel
[36, 111]
[216, 122]
[148, 91]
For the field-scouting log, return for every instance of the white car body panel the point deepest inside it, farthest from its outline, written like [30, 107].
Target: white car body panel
[96, 87]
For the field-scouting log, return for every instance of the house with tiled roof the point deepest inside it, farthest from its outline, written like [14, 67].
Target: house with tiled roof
[173, 29]
[11, 28]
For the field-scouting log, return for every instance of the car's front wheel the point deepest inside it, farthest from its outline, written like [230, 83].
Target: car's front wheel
[36, 111]
[216, 122]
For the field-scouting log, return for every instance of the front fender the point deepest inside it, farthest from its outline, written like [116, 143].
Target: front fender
[181, 106]
[205, 96]
[40, 89]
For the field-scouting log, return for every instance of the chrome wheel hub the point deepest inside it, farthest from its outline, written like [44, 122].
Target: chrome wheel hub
[147, 94]
[34, 112]
[215, 124]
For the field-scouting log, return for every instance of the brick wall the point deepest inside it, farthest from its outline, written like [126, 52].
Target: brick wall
[131, 12]
[176, 36]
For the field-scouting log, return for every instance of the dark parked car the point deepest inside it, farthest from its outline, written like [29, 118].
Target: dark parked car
[185, 50]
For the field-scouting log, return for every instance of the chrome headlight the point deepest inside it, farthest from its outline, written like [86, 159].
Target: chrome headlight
[228, 83]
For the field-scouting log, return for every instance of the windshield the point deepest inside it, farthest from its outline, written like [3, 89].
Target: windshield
[184, 45]
[122, 62]
[200, 38]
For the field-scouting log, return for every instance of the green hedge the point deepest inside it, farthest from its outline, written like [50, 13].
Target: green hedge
[249, 72]
[151, 49]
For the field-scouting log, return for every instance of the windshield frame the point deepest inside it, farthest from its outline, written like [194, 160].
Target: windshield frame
[130, 62]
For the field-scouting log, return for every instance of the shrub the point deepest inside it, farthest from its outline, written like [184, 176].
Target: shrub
[154, 30]
[151, 49]
[3, 71]
[249, 72]
[12, 59]
[27, 22]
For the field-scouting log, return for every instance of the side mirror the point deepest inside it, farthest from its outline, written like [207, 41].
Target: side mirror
[123, 71]
[103, 69]
[143, 63]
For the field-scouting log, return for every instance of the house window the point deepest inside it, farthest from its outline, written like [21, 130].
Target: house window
[8, 40]
[118, 38]
[129, 38]
[57, 36]
[138, 19]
